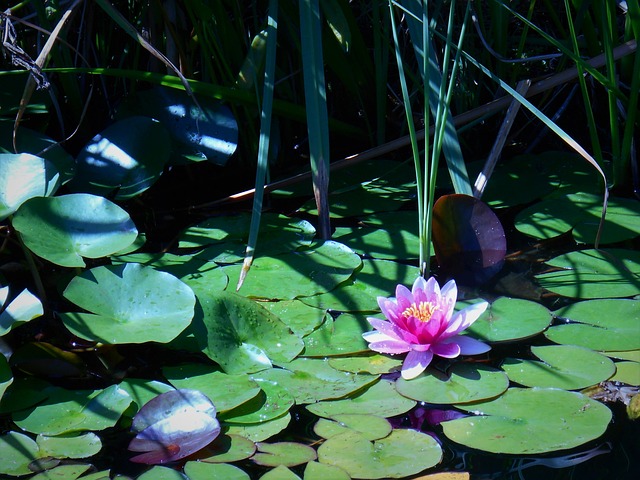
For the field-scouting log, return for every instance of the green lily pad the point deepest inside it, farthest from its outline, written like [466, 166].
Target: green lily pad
[371, 427]
[510, 319]
[142, 391]
[160, 473]
[274, 401]
[373, 363]
[562, 366]
[341, 336]
[311, 380]
[288, 454]
[401, 454]
[258, 432]
[581, 212]
[464, 383]
[322, 471]
[129, 303]
[17, 452]
[381, 399]
[530, 421]
[594, 274]
[69, 446]
[377, 278]
[228, 448]
[6, 376]
[227, 392]
[632, 355]
[298, 316]
[120, 162]
[25, 307]
[63, 472]
[297, 274]
[605, 324]
[243, 337]
[627, 372]
[24, 176]
[64, 229]
[213, 471]
[280, 473]
[66, 411]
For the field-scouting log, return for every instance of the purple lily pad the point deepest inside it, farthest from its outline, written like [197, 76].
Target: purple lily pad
[172, 426]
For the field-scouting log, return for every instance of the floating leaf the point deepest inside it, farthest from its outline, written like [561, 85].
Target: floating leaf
[159, 473]
[401, 454]
[17, 452]
[341, 336]
[322, 471]
[130, 303]
[373, 363]
[562, 366]
[298, 316]
[142, 391]
[510, 319]
[464, 383]
[120, 162]
[23, 308]
[69, 446]
[627, 372]
[213, 471]
[274, 401]
[371, 427]
[24, 176]
[594, 274]
[64, 229]
[288, 454]
[302, 273]
[47, 360]
[172, 426]
[243, 337]
[228, 448]
[605, 324]
[530, 421]
[65, 472]
[259, 432]
[6, 376]
[280, 473]
[468, 238]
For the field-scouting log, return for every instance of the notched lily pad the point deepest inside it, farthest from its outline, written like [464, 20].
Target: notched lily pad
[341, 336]
[372, 427]
[288, 454]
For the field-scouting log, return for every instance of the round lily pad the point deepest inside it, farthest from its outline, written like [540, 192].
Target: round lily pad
[23, 308]
[464, 383]
[288, 454]
[510, 319]
[258, 432]
[562, 366]
[341, 336]
[371, 427]
[17, 451]
[244, 337]
[530, 421]
[374, 364]
[323, 471]
[69, 446]
[298, 316]
[401, 454]
[604, 324]
[627, 372]
[64, 229]
[213, 471]
[607, 273]
[273, 401]
[228, 448]
[130, 303]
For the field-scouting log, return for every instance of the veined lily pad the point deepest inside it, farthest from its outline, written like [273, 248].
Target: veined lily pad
[243, 337]
[562, 366]
[130, 304]
[24, 176]
[120, 160]
[530, 421]
[594, 274]
[341, 336]
[23, 308]
[298, 316]
[142, 391]
[301, 273]
[464, 383]
[401, 454]
[604, 324]
[274, 401]
[64, 229]
[283, 453]
[510, 319]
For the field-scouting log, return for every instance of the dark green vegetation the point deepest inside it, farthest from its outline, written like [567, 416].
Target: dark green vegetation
[125, 135]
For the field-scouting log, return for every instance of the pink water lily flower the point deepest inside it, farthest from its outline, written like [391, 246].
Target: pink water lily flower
[422, 322]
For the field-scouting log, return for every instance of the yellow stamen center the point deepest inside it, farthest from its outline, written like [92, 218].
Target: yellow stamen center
[422, 311]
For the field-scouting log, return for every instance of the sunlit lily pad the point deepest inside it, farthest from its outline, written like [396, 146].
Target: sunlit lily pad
[69, 446]
[130, 303]
[24, 176]
[66, 472]
[562, 366]
[142, 391]
[301, 273]
[323, 471]
[371, 427]
[213, 471]
[627, 372]
[604, 324]
[258, 432]
[157, 473]
[311, 380]
[244, 337]
[64, 229]
[17, 452]
[594, 274]
[298, 316]
[401, 454]
[228, 448]
[283, 453]
[510, 319]
[272, 402]
[464, 383]
[530, 421]
[373, 363]
[23, 308]
[341, 336]
[381, 399]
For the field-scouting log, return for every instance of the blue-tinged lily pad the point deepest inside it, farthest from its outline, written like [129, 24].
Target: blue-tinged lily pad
[66, 411]
[342, 336]
[581, 212]
[306, 272]
[381, 399]
[604, 324]
[594, 274]
[244, 337]
[24, 176]
[401, 454]
[130, 303]
[120, 161]
[64, 229]
[510, 319]
[464, 383]
[530, 421]
[562, 366]
[23, 308]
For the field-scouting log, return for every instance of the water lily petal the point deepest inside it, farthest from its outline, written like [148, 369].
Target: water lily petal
[391, 311]
[470, 346]
[446, 349]
[415, 364]
[390, 346]
[404, 298]
[464, 318]
[449, 295]
[386, 328]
